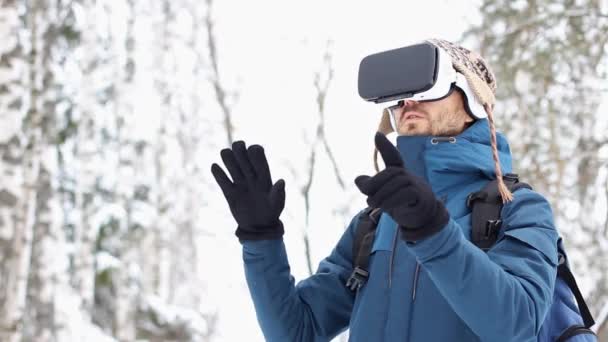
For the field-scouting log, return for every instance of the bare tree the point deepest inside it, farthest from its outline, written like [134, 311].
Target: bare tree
[42, 275]
[322, 81]
[81, 194]
[225, 99]
[17, 203]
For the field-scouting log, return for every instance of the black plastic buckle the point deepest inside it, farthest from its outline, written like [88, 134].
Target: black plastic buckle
[357, 279]
[492, 226]
[512, 176]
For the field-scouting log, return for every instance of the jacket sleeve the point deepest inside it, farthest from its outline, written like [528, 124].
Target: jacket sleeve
[503, 295]
[317, 308]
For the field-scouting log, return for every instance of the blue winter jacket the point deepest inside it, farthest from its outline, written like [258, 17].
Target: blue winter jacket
[440, 289]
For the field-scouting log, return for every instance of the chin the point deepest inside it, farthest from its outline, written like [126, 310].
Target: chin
[414, 129]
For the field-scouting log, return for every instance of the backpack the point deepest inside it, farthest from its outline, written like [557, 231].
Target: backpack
[564, 320]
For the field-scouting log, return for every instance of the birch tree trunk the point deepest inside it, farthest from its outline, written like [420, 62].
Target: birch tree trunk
[125, 285]
[48, 274]
[88, 152]
[18, 171]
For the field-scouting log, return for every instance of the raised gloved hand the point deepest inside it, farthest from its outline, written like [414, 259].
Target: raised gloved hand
[254, 201]
[407, 198]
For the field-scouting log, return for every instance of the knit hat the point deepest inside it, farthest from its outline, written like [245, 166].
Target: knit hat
[482, 82]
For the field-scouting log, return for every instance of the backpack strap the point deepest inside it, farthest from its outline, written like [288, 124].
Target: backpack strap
[564, 272]
[362, 247]
[576, 330]
[486, 206]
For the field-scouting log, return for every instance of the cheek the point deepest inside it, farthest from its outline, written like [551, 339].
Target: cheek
[435, 118]
[397, 114]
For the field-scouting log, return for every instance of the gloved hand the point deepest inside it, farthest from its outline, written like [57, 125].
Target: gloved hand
[254, 201]
[407, 198]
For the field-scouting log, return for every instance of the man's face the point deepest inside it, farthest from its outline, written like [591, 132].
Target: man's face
[446, 117]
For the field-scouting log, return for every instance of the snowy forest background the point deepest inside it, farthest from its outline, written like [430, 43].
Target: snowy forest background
[112, 111]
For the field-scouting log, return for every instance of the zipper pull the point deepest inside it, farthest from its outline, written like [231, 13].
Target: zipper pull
[437, 140]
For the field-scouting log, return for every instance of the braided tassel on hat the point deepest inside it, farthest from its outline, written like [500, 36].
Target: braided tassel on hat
[503, 190]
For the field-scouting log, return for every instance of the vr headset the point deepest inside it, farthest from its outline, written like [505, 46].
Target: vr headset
[420, 72]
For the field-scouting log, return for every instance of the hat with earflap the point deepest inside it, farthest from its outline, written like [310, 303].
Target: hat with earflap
[478, 91]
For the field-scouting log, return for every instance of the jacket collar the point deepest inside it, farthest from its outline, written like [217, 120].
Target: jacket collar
[447, 162]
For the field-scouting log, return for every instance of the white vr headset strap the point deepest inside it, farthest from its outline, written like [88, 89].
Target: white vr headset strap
[475, 107]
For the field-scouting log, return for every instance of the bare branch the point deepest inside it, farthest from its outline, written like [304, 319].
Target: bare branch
[334, 163]
[321, 96]
[321, 138]
[220, 91]
[308, 185]
[306, 193]
[605, 234]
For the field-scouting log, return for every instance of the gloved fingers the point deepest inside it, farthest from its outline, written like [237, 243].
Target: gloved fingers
[388, 151]
[223, 181]
[422, 189]
[393, 186]
[370, 185]
[277, 196]
[260, 165]
[402, 200]
[240, 152]
[361, 181]
[417, 196]
[232, 165]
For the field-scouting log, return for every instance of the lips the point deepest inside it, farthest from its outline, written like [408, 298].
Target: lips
[411, 116]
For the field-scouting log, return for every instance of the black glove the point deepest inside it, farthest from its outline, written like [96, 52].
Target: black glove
[254, 202]
[407, 198]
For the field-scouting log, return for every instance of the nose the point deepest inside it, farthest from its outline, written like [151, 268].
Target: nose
[407, 103]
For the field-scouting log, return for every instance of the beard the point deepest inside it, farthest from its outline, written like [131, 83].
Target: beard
[447, 129]
[419, 127]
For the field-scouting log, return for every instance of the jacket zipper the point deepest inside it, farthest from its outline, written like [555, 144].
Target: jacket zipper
[415, 281]
[390, 268]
